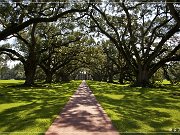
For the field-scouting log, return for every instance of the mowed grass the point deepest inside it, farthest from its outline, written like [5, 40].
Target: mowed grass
[140, 109]
[31, 110]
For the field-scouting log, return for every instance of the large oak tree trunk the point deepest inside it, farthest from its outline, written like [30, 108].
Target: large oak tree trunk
[121, 78]
[58, 76]
[48, 72]
[48, 77]
[30, 70]
[110, 78]
[142, 78]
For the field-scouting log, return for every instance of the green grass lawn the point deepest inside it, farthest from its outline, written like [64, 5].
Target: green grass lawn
[31, 110]
[139, 109]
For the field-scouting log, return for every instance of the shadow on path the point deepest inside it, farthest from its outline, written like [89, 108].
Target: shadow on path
[82, 115]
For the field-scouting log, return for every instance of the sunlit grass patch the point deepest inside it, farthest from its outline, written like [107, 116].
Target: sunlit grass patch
[136, 109]
[31, 110]
[166, 82]
[116, 97]
[11, 81]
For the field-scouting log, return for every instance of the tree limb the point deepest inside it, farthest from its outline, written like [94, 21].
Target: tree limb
[13, 52]
[18, 27]
[161, 43]
[173, 11]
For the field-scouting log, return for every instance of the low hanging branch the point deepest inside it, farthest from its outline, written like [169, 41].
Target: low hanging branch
[13, 55]
[18, 27]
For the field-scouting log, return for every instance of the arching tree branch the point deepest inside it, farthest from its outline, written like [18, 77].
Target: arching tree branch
[18, 27]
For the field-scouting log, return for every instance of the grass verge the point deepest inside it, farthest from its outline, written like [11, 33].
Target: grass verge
[31, 110]
[140, 110]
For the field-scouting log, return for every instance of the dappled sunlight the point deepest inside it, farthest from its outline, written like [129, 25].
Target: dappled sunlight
[118, 97]
[32, 109]
[6, 106]
[136, 109]
[82, 115]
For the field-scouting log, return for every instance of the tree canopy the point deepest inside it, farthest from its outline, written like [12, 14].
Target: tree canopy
[129, 41]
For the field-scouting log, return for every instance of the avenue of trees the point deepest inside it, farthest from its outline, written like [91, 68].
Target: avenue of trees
[136, 42]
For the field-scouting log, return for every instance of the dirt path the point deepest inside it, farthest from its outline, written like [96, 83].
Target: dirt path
[82, 115]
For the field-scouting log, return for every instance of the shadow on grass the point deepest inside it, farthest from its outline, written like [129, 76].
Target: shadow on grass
[139, 109]
[32, 109]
